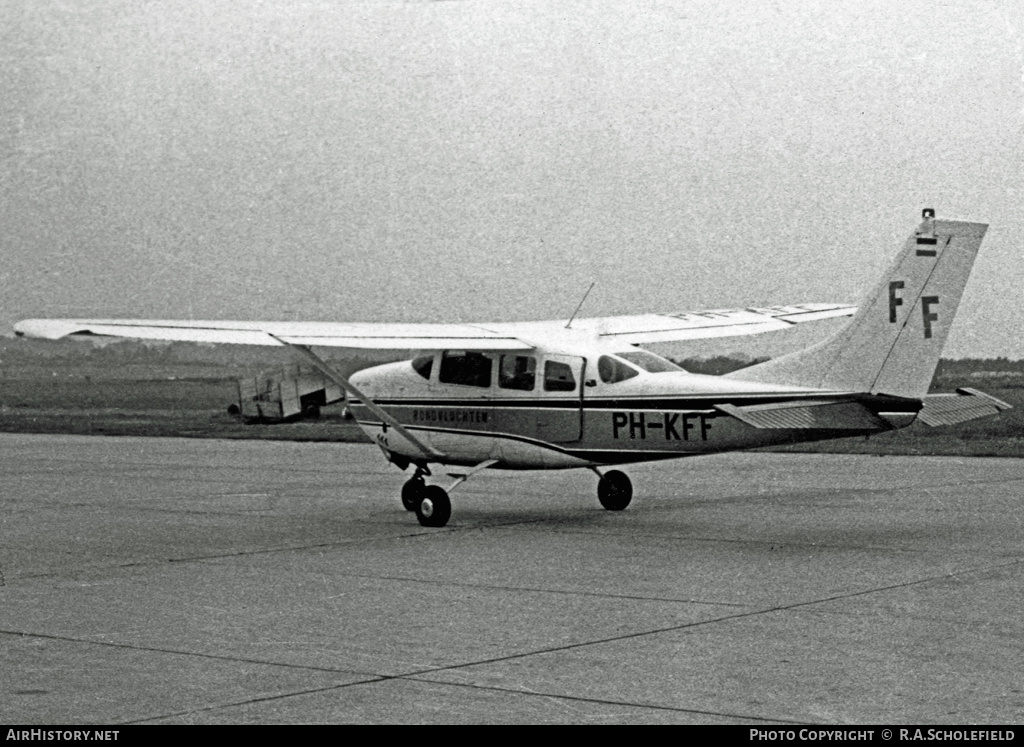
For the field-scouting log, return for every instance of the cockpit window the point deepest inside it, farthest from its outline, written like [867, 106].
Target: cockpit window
[466, 368]
[517, 372]
[612, 370]
[424, 365]
[649, 362]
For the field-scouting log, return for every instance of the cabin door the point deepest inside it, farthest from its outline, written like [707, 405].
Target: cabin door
[560, 420]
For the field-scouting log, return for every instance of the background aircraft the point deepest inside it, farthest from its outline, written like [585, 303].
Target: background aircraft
[558, 395]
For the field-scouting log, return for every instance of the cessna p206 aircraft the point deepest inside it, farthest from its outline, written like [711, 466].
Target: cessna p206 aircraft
[555, 395]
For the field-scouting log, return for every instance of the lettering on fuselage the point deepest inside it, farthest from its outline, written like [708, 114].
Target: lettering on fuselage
[449, 416]
[670, 426]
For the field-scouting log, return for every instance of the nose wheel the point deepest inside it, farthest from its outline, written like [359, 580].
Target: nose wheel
[412, 491]
[434, 508]
[614, 490]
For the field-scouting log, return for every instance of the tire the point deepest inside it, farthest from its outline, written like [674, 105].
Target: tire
[434, 509]
[411, 493]
[614, 490]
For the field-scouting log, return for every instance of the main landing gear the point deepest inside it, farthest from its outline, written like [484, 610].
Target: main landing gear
[614, 490]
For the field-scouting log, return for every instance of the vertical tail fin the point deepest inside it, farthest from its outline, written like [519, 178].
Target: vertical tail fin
[892, 344]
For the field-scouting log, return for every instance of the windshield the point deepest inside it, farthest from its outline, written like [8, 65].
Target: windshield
[612, 370]
[649, 362]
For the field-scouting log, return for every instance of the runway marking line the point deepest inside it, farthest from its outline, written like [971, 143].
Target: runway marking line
[421, 675]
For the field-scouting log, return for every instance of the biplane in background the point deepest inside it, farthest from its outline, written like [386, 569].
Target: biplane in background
[557, 395]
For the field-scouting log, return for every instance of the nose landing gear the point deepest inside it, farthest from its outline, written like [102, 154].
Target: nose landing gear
[412, 491]
[430, 503]
[434, 508]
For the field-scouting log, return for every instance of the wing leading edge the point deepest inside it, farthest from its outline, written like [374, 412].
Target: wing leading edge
[364, 336]
[499, 336]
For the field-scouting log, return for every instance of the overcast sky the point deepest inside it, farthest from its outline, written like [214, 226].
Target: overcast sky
[477, 160]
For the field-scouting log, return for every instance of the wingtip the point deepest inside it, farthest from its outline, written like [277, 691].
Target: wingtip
[45, 329]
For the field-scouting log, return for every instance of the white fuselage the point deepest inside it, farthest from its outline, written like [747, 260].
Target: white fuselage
[567, 408]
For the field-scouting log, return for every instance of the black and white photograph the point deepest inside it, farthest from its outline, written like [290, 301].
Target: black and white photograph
[512, 362]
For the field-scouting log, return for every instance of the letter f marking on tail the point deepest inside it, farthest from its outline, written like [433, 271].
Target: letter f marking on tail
[894, 300]
[926, 303]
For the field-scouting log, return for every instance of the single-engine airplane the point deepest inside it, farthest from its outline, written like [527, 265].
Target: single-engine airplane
[556, 395]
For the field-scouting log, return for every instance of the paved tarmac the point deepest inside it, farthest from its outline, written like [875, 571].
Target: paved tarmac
[147, 580]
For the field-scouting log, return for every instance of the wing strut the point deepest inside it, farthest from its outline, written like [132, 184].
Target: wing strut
[328, 371]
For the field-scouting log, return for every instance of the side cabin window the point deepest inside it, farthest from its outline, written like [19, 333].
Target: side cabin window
[612, 370]
[466, 368]
[558, 377]
[517, 372]
[424, 365]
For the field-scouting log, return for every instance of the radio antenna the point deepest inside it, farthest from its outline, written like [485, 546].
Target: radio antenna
[581, 304]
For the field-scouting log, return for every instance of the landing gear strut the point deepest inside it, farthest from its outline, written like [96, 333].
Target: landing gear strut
[614, 490]
[413, 489]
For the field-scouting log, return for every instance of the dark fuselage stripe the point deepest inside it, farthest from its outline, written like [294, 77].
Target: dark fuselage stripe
[698, 402]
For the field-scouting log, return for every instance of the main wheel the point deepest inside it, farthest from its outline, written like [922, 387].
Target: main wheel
[434, 508]
[412, 491]
[614, 490]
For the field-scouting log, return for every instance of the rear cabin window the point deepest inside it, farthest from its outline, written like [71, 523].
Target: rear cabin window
[517, 372]
[558, 377]
[424, 365]
[612, 370]
[466, 368]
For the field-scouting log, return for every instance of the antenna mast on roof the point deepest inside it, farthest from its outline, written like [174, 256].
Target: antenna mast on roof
[581, 304]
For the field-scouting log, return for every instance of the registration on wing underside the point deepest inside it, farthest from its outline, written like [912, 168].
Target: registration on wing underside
[707, 324]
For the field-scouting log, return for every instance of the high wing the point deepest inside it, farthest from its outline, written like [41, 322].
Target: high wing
[365, 336]
[497, 336]
[696, 325]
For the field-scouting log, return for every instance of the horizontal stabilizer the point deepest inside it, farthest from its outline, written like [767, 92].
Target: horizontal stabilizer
[809, 415]
[966, 404]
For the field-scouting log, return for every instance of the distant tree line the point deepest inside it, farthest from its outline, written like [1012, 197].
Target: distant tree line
[964, 366]
[718, 364]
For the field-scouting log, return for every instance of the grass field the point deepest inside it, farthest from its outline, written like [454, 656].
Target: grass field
[101, 403]
[999, 436]
[193, 408]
